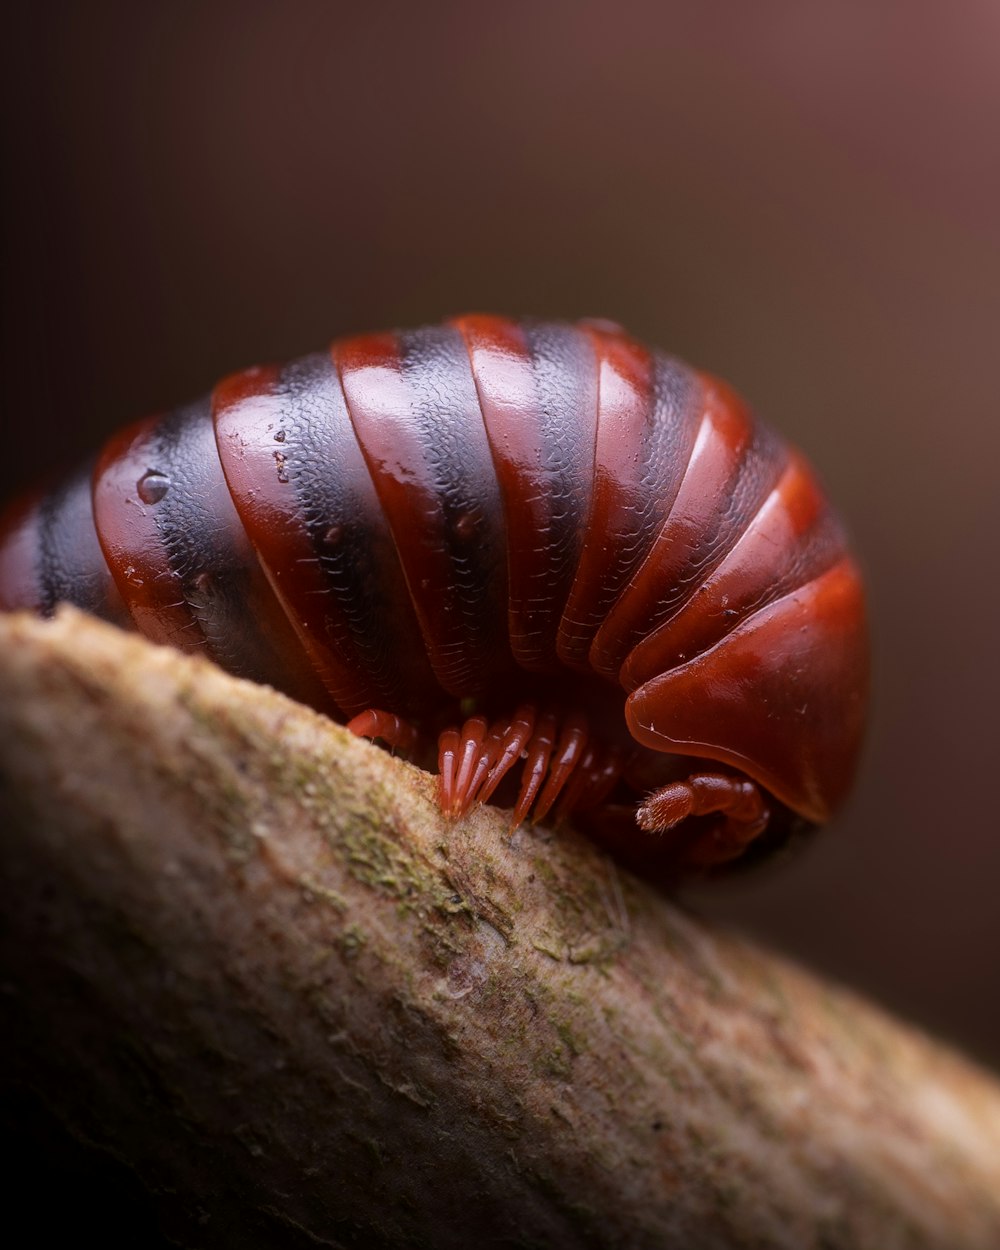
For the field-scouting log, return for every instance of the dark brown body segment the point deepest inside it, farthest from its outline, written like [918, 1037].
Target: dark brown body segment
[50, 553]
[498, 514]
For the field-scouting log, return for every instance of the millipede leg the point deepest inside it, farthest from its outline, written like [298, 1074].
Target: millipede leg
[489, 753]
[515, 739]
[449, 746]
[535, 766]
[472, 738]
[593, 781]
[561, 769]
[392, 729]
[738, 799]
[568, 754]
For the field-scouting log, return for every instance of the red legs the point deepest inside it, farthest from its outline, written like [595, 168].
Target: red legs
[473, 734]
[392, 729]
[578, 784]
[539, 752]
[463, 758]
[736, 798]
[513, 740]
[567, 755]
[572, 775]
[488, 756]
[449, 745]
[475, 759]
[593, 781]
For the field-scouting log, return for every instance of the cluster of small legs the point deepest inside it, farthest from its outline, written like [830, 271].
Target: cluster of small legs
[565, 771]
[561, 768]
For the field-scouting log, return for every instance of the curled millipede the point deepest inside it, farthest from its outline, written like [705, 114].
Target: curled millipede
[575, 568]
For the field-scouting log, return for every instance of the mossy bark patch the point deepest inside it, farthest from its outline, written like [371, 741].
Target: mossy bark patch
[246, 954]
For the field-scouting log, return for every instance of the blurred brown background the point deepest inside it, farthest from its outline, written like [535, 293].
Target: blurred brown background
[803, 198]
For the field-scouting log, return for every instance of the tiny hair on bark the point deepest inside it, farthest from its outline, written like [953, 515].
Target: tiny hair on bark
[246, 958]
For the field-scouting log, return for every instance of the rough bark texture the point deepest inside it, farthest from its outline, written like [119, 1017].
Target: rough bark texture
[244, 954]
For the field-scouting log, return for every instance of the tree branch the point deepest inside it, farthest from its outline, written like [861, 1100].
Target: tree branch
[246, 955]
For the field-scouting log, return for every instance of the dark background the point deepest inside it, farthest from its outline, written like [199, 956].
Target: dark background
[803, 198]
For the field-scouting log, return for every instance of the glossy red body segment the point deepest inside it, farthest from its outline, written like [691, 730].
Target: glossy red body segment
[307, 504]
[181, 557]
[416, 417]
[792, 537]
[649, 411]
[131, 541]
[781, 698]
[578, 570]
[537, 389]
[732, 466]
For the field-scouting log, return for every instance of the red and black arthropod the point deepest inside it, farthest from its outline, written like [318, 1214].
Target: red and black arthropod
[579, 566]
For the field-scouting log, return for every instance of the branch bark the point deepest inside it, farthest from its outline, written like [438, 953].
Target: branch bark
[244, 954]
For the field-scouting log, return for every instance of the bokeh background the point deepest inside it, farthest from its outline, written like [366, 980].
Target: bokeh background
[801, 197]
